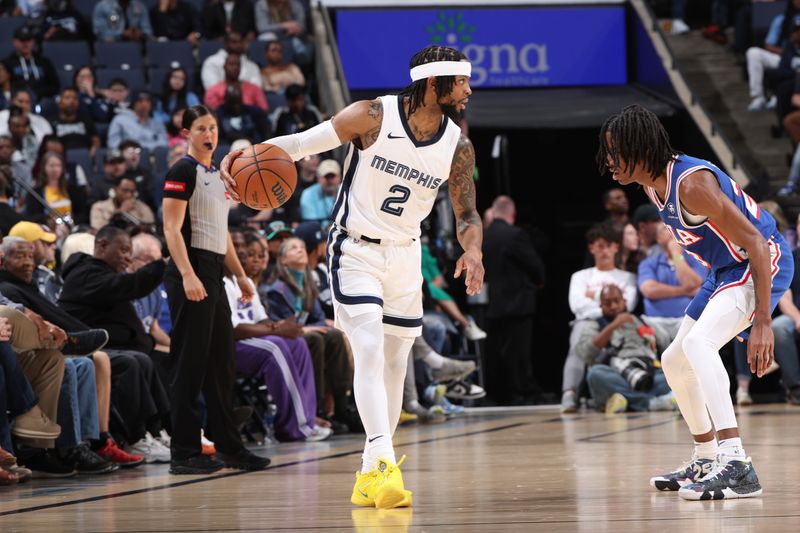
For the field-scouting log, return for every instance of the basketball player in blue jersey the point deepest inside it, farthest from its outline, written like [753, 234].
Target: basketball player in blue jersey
[750, 268]
[403, 148]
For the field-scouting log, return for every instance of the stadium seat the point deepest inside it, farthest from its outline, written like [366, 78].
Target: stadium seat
[85, 7]
[170, 54]
[160, 154]
[81, 157]
[207, 48]
[5, 48]
[8, 25]
[157, 75]
[118, 55]
[67, 57]
[133, 77]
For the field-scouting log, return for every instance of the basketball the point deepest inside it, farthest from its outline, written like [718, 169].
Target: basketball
[265, 176]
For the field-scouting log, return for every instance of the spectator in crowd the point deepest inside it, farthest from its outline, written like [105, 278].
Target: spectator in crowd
[91, 100]
[668, 281]
[62, 22]
[113, 169]
[646, 221]
[175, 20]
[10, 8]
[124, 202]
[51, 185]
[251, 94]
[297, 115]
[132, 152]
[21, 97]
[25, 144]
[16, 398]
[224, 17]
[285, 19]
[630, 254]
[121, 20]
[767, 57]
[277, 353]
[44, 247]
[33, 9]
[74, 129]
[174, 135]
[19, 170]
[615, 202]
[786, 328]
[8, 215]
[277, 74]
[213, 71]
[30, 68]
[5, 87]
[316, 202]
[782, 80]
[139, 125]
[238, 120]
[293, 295]
[514, 273]
[277, 231]
[175, 95]
[146, 249]
[621, 351]
[115, 101]
[584, 301]
[99, 292]
[315, 240]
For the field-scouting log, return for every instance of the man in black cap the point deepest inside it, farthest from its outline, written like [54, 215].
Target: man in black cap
[139, 125]
[30, 68]
[646, 221]
[113, 169]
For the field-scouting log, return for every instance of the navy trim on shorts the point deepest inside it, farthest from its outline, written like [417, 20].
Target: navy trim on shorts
[337, 290]
[345, 190]
[402, 322]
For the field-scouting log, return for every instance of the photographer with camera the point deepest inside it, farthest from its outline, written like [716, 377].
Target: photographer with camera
[622, 352]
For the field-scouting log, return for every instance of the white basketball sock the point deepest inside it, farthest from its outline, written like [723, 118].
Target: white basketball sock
[376, 447]
[732, 448]
[706, 450]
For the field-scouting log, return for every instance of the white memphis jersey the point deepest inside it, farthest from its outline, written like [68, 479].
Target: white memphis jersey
[389, 188]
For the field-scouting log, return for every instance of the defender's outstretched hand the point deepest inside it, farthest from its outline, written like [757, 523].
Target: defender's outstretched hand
[472, 266]
[225, 173]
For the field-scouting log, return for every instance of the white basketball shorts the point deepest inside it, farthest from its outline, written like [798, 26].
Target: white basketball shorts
[365, 275]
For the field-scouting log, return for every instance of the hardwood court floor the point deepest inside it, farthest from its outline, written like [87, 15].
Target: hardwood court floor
[519, 471]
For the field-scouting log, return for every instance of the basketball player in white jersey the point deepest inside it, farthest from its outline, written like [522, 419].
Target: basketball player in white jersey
[403, 148]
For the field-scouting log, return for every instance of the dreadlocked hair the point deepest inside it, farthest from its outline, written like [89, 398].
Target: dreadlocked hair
[444, 84]
[637, 136]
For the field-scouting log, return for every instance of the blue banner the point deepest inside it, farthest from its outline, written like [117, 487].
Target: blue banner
[525, 47]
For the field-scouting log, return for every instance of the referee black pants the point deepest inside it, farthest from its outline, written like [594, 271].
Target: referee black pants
[203, 350]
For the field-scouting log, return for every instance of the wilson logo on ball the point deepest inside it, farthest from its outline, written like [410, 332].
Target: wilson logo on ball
[265, 176]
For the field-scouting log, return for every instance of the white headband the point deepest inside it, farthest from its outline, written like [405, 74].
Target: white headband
[441, 68]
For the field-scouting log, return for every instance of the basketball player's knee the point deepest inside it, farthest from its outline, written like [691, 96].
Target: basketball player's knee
[696, 345]
[673, 359]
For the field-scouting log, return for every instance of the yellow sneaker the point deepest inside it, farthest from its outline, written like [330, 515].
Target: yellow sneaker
[390, 491]
[365, 488]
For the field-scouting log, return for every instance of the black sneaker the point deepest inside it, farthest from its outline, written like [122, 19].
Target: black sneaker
[47, 464]
[686, 474]
[730, 478]
[199, 464]
[244, 460]
[88, 462]
[85, 342]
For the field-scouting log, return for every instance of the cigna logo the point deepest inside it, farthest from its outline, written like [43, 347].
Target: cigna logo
[502, 63]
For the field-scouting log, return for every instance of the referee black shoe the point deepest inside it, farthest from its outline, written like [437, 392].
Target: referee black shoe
[199, 464]
[85, 342]
[244, 460]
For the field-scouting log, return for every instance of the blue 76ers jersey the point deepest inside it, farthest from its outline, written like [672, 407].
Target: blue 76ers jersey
[702, 238]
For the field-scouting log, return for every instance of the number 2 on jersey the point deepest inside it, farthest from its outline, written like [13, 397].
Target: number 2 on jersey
[401, 198]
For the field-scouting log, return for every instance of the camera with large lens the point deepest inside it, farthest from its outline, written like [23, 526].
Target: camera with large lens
[638, 371]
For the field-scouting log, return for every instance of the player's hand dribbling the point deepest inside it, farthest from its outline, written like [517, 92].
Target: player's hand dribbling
[193, 287]
[225, 173]
[472, 266]
[760, 348]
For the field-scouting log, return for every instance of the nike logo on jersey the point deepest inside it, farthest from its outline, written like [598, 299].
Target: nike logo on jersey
[375, 438]
[405, 172]
[207, 183]
[395, 136]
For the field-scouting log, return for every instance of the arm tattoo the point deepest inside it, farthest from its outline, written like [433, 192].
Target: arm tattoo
[375, 112]
[462, 186]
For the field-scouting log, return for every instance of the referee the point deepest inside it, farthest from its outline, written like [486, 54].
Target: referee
[196, 228]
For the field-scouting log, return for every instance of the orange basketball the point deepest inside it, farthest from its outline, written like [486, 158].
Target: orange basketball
[265, 176]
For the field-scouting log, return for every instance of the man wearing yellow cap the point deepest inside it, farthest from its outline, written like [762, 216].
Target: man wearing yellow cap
[44, 249]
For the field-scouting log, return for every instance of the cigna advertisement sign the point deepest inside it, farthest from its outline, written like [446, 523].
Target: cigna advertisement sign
[526, 47]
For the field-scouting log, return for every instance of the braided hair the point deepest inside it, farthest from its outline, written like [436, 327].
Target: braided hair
[637, 136]
[444, 84]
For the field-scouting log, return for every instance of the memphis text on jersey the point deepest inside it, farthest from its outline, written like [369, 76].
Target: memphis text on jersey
[407, 173]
